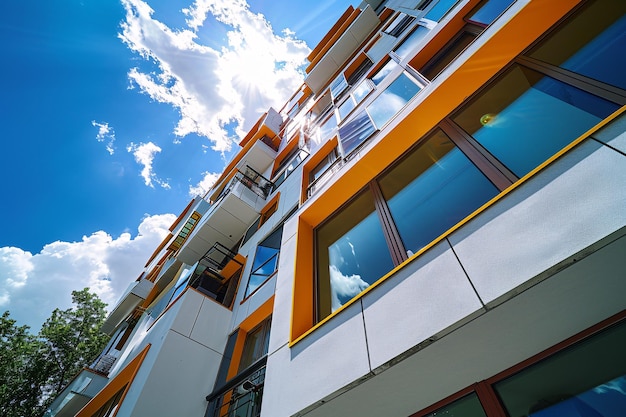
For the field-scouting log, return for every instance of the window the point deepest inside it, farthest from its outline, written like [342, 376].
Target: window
[592, 43]
[185, 231]
[356, 131]
[399, 24]
[448, 53]
[321, 172]
[385, 70]
[488, 11]
[288, 165]
[410, 42]
[256, 344]
[430, 190]
[440, 9]
[588, 379]
[338, 86]
[265, 261]
[524, 117]
[352, 254]
[391, 100]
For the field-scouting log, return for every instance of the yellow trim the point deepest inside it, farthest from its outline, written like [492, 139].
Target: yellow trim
[467, 219]
[122, 380]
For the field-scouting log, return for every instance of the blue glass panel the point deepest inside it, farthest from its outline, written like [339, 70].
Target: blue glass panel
[410, 42]
[490, 11]
[346, 107]
[265, 260]
[591, 44]
[357, 260]
[392, 100]
[525, 118]
[351, 254]
[439, 10]
[434, 188]
[386, 69]
[355, 132]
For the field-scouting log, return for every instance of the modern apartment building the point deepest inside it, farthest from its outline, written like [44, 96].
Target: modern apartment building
[434, 224]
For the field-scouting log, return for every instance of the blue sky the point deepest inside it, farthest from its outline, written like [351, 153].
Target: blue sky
[114, 114]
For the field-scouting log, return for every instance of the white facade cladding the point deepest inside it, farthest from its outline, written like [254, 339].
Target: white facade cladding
[433, 224]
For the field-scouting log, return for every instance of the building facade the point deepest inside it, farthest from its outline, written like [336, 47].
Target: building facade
[433, 224]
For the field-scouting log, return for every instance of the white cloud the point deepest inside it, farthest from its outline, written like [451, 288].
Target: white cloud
[144, 155]
[344, 286]
[31, 286]
[204, 185]
[214, 90]
[105, 133]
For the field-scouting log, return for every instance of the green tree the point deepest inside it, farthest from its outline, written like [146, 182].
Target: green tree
[35, 369]
[21, 370]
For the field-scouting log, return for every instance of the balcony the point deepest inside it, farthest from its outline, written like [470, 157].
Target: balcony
[234, 210]
[217, 274]
[136, 293]
[241, 396]
[334, 59]
[78, 393]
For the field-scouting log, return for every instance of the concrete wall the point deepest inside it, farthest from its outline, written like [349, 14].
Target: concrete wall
[180, 368]
[571, 211]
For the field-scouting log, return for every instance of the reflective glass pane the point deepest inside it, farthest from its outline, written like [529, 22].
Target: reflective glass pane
[410, 42]
[351, 254]
[525, 117]
[449, 53]
[384, 71]
[327, 129]
[346, 107]
[593, 43]
[355, 132]
[265, 260]
[362, 90]
[440, 9]
[432, 189]
[468, 406]
[586, 380]
[392, 100]
[489, 11]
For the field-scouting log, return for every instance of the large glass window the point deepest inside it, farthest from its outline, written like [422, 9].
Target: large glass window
[586, 380]
[432, 189]
[351, 254]
[256, 344]
[265, 260]
[591, 44]
[392, 100]
[524, 117]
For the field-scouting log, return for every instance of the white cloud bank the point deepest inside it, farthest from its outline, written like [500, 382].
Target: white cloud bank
[214, 91]
[204, 185]
[31, 286]
[105, 134]
[144, 155]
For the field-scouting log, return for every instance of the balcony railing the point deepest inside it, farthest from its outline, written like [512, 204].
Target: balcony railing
[324, 177]
[104, 364]
[241, 396]
[208, 279]
[252, 180]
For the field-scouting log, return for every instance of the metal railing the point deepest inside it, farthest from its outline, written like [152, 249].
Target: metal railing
[241, 396]
[207, 277]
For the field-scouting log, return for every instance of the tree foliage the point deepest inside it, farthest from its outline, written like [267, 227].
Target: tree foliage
[35, 369]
